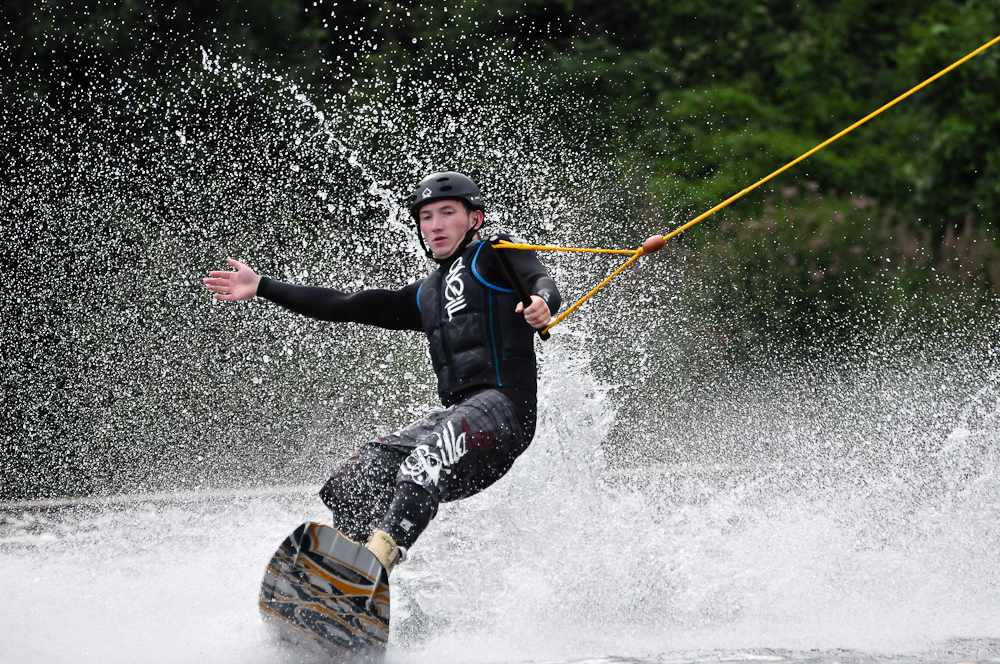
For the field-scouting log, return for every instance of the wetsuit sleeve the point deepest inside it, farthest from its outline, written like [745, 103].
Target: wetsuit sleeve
[534, 276]
[391, 309]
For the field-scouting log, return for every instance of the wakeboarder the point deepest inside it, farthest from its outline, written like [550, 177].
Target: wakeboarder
[481, 339]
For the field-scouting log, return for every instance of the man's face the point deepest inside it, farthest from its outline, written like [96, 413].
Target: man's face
[444, 225]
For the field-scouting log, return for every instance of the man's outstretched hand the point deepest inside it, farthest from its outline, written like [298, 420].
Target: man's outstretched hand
[537, 314]
[239, 285]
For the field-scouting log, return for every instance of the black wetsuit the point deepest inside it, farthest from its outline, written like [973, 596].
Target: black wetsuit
[483, 355]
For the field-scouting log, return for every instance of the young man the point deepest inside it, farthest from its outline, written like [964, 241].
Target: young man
[482, 348]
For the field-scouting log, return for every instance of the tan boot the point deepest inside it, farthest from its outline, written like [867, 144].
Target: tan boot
[385, 549]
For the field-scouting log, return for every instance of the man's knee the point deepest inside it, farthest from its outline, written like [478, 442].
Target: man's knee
[360, 491]
[423, 468]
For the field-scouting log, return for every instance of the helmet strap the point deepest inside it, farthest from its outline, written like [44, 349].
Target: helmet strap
[420, 236]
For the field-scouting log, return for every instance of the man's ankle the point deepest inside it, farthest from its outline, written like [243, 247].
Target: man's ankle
[385, 549]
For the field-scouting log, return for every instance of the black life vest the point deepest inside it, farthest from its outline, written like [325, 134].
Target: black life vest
[476, 338]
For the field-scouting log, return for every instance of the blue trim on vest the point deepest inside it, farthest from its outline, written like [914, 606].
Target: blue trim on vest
[419, 288]
[475, 273]
[493, 340]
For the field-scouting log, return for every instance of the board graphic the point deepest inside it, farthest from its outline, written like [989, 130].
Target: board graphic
[328, 593]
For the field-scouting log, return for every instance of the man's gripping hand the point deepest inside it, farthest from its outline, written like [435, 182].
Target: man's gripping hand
[537, 314]
[239, 285]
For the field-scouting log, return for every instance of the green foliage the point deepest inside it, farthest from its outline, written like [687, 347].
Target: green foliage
[812, 269]
[713, 95]
[731, 90]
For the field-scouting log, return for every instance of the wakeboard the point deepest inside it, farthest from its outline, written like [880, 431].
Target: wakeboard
[327, 593]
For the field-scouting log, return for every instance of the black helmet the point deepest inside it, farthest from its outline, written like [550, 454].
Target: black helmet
[444, 186]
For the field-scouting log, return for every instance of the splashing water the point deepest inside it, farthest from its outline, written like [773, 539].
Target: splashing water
[566, 558]
[114, 220]
[665, 511]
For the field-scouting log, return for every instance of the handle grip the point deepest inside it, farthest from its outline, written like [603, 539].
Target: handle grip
[515, 279]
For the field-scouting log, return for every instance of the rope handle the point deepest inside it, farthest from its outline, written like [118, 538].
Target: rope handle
[652, 244]
[515, 279]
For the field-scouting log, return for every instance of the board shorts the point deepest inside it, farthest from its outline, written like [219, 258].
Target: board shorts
[451, 453]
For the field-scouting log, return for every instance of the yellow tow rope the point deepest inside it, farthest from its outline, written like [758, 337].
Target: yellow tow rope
[656, 242]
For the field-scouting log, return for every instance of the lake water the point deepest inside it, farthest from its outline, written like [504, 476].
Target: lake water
[565, 560]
